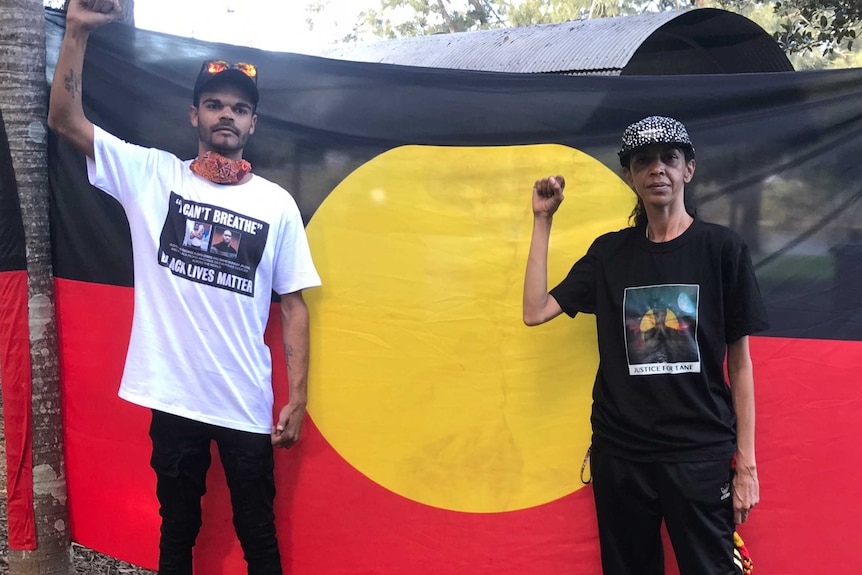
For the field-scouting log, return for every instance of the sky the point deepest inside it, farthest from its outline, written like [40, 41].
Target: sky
[277, 25]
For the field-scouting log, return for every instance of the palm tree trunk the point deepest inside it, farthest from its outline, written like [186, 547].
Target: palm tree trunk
[23, 106]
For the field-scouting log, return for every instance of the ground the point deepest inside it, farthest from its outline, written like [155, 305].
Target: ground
[86, 561]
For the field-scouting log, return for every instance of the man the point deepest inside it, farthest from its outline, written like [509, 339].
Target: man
[224, 247]
[671, 296]
[217, 387]
[196, 236]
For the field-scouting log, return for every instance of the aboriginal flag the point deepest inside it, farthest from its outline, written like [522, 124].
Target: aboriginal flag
[443, 436]
[15, 357]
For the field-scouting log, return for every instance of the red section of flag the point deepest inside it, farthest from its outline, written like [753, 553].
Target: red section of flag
[17, 413]
[332, 520]
[111, 489]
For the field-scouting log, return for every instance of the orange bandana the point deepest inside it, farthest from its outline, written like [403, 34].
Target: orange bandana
[220, 170]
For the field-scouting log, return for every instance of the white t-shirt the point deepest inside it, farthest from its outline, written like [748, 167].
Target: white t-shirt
[196, 348]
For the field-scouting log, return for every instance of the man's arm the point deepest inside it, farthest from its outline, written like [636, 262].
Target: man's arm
[65, 110]
[294, 335]
[746, 487]
[539, 306]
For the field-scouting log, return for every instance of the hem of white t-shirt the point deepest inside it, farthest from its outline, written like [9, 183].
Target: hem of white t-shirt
[297, 286]
[194, 416]
[92, 170]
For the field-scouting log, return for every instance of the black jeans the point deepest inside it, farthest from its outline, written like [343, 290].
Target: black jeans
[181, 457]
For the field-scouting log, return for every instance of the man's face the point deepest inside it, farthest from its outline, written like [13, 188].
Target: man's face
[658, 174]
[226, 236]
[225, 119]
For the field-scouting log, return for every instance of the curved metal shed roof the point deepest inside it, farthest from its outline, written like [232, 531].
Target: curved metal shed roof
[702, 40]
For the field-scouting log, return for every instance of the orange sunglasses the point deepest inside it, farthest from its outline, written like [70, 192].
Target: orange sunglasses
[214, 67]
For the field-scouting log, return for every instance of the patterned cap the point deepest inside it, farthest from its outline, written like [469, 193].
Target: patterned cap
[653, 130]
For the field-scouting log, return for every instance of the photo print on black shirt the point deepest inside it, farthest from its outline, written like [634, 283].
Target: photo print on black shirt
[661, 329]
[209, 245]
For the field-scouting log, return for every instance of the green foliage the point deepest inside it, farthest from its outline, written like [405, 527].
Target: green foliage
[313, 10]
[399, 18]
[829, 27]
[531, 12]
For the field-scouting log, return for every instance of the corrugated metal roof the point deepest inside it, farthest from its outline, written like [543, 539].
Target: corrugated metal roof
[600, 46]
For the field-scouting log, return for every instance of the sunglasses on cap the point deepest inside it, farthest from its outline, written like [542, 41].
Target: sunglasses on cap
[213, 67]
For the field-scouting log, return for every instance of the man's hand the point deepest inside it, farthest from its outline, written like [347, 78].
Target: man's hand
[746, 491]
[548, 195]
[289, 426]
[90, 14]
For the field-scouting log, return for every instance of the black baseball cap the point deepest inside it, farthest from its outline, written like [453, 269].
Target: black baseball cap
[220, 72]
[653, 130]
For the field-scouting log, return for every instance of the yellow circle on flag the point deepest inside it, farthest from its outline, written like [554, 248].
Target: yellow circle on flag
[423, 375]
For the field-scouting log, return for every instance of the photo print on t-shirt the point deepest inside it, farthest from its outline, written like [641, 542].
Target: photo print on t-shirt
[225, 242]
[197, 234]
[661, 329]
[230, 249]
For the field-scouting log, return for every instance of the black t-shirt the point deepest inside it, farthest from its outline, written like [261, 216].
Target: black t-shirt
[665, 313]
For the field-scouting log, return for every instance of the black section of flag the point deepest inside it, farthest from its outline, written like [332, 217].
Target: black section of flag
[777, 153]
[12, 242]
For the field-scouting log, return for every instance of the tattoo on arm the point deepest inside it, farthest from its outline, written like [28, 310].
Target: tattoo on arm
[288, 353]
[72, 82]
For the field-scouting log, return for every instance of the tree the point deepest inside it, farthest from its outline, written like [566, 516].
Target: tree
[429, 17]
[531, 12]
[827, 26]
[398, 18]
[23, 106]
